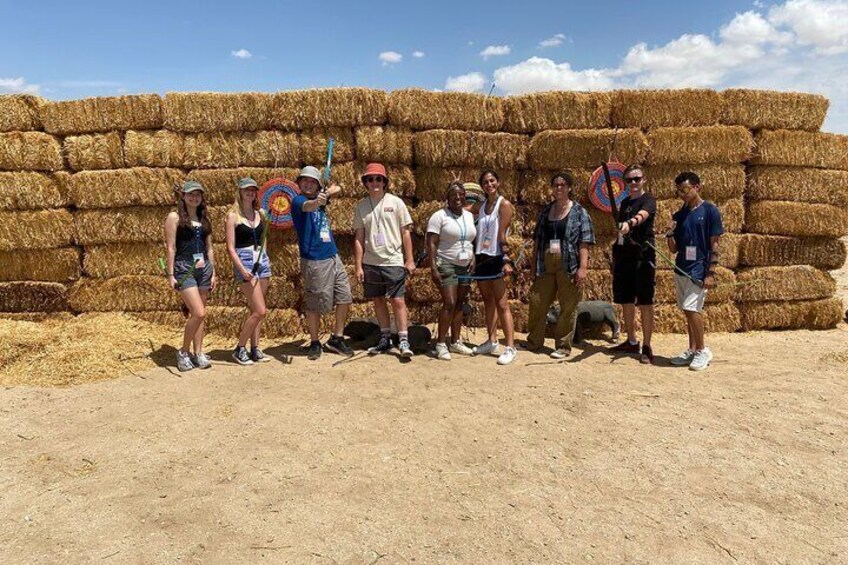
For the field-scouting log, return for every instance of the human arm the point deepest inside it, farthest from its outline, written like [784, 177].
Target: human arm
[432, 243]
[171, 245]
[210, 253]
[505, 214]
[358, 252]
[409, 259]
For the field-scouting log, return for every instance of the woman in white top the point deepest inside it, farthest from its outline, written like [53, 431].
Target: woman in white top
[493, 264]
[450, 236]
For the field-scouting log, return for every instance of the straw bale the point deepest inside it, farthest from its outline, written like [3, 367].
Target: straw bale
[530, 113]
[722, 317]
[19, 112]
[117, 259]
[600, 254]
[221, 184]
[356, 288]
[128, 293]
[732, 214]
[646, 109]
[719, 182]
[421, 215]
[160, 148]
[796, 219]
[37, 317]
[227, 321]
[349, 177]
[731, 246]
[139, 186]
[766, 109]
[389, 144]
[454, 148]
[29, 191]
[585, 148]
[477, 317]
[42, 229]
[798, 184]
[774, 250]
[420, 109]
[344, 244]
[94, 115]
[801, 149]
[424, 313]
[328, 107]
[94, 152]
[536, 186]
[30, 151]
[282, 293]
[196, 112]
[340, 213]
[314, 142]
[599, 286]
[796, 282]
[714, 144]
[528, 214]
[49, 265]
[420, 287]
[29, 296]
[803, 314]
[432, 183]
[120, 225]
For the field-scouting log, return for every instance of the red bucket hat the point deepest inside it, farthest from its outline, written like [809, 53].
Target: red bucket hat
[374, 169]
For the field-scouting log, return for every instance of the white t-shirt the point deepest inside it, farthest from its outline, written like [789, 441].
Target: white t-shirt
[456, 235]
[383, 223]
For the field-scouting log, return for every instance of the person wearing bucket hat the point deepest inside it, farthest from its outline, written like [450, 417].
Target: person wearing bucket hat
[324, 277]
[245, 233]
[382, 251]
[190, 260]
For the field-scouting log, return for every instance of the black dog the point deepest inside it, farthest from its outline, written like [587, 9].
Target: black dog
[589, 313]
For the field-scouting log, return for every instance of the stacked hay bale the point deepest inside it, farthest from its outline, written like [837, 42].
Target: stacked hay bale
[85, 186]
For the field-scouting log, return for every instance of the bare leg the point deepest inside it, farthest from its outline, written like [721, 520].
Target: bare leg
[341, 317]
[449, 304]
[201, 329]
[401, 314]
[382, 311]
[252, 291]
[196, 313]
[696, 328]
[456, 315]
[647, 312]
[313, 319]
[504, 314]
[629, 315]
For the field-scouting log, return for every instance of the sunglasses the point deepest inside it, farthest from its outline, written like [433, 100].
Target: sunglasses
[373, 178]
[633, 180]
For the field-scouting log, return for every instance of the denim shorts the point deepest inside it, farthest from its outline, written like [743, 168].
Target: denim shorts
[191, 276]
[245, 254]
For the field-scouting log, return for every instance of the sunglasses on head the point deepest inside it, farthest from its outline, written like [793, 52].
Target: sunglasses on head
[373, 178]
[632, 180]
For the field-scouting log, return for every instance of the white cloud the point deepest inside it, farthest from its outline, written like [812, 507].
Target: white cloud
[495, 51]
[554, 41]
[241, 54]
[390, 57]
[17, 86]
[470, 43]
[536, 74]
[820, 23]
[418, 54]
[471, 82]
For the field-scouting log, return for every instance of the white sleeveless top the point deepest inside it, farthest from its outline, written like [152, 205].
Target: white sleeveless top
[487, 230]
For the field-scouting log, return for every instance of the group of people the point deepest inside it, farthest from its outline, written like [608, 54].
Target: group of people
[466, 241]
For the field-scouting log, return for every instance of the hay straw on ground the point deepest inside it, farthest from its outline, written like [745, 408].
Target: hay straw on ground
[421, 215]
[93, 115]
[774, 250]
[313, 145]
[389, 144]
[139, 186]
[196, 112]
[221, 184]
[585, 148]
[432, 183]
[801, 149]
[226, 321]
[530, 113]
[714, 144]
[30, 151]
[646, 109]
[420, 109]
[718, 182]
[806, 314]
[32, 317]
[766, 109]
[340, 213]
[798, 184]
[48, 265]
[19, 112]
[796, 219]
[797, 282]
[127, 293]
[29, 296]
[42, 229]
[536, 186]
[328, 107]
[29, 191]
[94, 152]
[402, 182]
[454, 148]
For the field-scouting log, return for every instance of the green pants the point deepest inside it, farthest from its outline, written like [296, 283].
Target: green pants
[554, 284]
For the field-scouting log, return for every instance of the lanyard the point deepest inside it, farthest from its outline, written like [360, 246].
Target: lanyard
[463, 230]
[374, 213]
[198, 239]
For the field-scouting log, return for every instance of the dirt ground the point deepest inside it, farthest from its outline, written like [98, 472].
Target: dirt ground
[598, 459]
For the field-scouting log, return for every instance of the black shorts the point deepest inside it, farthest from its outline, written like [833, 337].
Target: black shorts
[633, 282]
[388, 282]
[488, 265]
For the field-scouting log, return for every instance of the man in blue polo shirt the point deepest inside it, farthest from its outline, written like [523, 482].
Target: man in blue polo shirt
[325, 280]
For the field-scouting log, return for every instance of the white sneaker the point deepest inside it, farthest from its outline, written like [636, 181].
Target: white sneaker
[442, 352]
[683, 359]
[508, 356]
[701, 360]
[487, 348]
[461, 348]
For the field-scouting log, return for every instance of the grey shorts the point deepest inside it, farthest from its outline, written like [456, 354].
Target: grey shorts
[326, 284]
[450, 273]
[384, 281]
[190, 276]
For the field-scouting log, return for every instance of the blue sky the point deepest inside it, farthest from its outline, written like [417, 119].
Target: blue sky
[66, 50]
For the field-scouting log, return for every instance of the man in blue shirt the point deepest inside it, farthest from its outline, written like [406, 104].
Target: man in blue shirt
[694, 236]
[324, 277]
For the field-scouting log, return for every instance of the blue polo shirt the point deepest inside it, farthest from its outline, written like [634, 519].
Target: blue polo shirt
[694, 229]
[309, 226]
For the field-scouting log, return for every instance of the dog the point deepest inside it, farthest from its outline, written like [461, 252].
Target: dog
[589, 313]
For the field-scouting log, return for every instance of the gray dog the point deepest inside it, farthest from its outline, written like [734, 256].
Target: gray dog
[589, 313]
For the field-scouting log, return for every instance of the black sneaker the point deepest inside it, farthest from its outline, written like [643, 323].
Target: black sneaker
[314, 351]
[382, 346]
[258, 356]
[241, 356]
[336, 344]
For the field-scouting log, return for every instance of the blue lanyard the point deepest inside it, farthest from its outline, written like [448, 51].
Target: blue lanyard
[463, 230]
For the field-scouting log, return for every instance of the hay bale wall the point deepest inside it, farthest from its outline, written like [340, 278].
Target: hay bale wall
[89, 193]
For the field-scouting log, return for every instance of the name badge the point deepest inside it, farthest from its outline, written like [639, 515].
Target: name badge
[325, 235]
[691, 253]
[555, 247]
[380, 240]
[487, 242]
[199, 261]
[463, 255]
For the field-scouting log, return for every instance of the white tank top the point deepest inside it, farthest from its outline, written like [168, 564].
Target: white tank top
[487, 230]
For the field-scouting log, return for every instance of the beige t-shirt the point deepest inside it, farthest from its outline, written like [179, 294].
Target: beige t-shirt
[383, 223]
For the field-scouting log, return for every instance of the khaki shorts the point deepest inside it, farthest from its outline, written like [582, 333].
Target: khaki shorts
[326, 284]
[451, 273]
